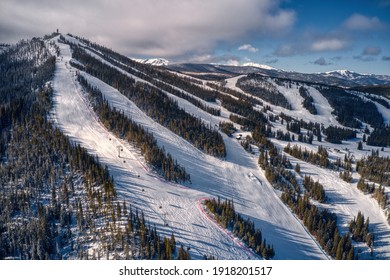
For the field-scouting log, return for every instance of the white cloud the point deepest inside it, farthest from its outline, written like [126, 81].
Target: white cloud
[363, 23]
[219, 59]
[233, 62]
[168, 28]
[248, 47]
[332, 44]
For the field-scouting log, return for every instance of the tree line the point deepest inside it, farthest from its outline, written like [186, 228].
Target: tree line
[375, 168]
[226, 215]
[258, 86]
[156, 104]
[359, 228]
[335, 134]
[320, 223]
[307, 100]
[349, 108]
[56, 200]
[135, 134]
[380, 137]
[163, 80]
[319, 158]
[377, 192]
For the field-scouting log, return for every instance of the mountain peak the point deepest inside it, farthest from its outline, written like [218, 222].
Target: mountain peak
[153, 61]
[257, 65]
[344, 73]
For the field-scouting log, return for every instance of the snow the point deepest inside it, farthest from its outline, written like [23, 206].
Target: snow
[381, 109]
[262, 66]
[324, 110]
[384, 112]
[153, 61]
[344, 198]
[238, 178]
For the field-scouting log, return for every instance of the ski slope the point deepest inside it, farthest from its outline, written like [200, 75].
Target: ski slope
[345, 200]
[238, 178]
[324, 110]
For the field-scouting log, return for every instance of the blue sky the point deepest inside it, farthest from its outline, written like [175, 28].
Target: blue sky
[329, 35]
[295, 35]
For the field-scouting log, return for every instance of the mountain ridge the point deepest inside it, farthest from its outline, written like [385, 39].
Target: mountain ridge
[344, 78]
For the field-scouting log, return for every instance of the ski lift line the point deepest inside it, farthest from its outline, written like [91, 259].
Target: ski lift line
[228, 233]
[101, 125]
[93, 114]
[147, 170]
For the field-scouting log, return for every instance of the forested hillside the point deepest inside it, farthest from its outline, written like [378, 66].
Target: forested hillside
[56, 200]
[100, 156]
[156, 104]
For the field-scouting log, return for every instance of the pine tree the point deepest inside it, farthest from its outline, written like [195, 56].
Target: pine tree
[340, 249]
[297, 168]
[173, 244]
[183, 254]
[351, 255]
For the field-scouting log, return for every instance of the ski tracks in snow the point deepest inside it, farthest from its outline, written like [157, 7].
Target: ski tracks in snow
[77, 119]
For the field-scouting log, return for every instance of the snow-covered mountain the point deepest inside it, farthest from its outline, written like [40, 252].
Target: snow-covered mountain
[359, 78]
[257, 65]
[239, 107]
[343, 78]
[153, 61]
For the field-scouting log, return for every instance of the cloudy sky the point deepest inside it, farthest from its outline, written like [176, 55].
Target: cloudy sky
[300, 35]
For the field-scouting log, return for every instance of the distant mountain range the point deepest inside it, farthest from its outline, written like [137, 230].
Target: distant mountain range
[343, 78]
[358, 78]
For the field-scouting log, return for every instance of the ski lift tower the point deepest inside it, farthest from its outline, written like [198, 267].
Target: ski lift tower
[165, 218]
[119, 147]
